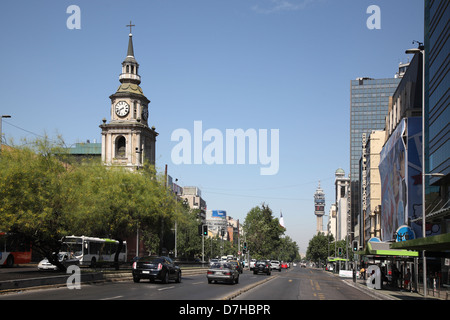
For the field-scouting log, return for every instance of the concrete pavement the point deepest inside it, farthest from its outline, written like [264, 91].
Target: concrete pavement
[390, 293]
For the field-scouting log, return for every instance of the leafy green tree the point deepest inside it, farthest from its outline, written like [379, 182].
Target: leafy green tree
[318, 247]
[45, 198]
[288, 250]
[263, 232]
[189, 242]
[35, 195]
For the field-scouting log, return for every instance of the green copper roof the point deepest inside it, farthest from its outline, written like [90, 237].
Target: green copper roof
[130, 87]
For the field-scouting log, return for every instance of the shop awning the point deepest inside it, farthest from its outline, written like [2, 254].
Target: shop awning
[436, 243]
[333, 259]
[385, 249]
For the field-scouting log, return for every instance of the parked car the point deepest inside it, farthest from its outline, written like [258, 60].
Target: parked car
[252, 264]
[275, 265]
[262, 266]
[224, 271]
[156, 268]
[66, 258]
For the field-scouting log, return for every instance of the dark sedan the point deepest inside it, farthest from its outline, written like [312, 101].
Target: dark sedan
[156, 268]
[262, 266]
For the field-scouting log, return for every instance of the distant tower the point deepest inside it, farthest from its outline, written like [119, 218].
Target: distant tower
[319, 207]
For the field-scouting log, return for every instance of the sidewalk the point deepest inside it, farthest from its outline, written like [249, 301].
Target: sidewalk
[390, 293]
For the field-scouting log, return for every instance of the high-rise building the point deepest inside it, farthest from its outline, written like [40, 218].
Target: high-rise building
[341, 184]
[437, 47]
[319, 207]
[371, 187]
[369, 104]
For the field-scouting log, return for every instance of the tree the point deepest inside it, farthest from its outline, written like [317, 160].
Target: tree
[36, 196]
[45, 198]
[288, 250]
[189, 243]
[263, 232]
[318, 248]
[117, 201]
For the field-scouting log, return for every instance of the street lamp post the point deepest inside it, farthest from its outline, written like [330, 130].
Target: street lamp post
[1, 134]
[421, 49]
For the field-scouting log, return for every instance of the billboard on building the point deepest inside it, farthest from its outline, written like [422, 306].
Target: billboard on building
[415, 179]
[401, 180]
[216, 220]
[393, 185]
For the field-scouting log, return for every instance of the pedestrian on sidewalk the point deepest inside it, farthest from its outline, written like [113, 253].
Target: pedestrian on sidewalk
[407, 279]
[395, 276]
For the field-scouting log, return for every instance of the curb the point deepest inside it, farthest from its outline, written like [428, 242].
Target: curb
[247, 288]
[8, 286]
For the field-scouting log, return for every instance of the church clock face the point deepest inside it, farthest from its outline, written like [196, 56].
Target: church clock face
[122, 108]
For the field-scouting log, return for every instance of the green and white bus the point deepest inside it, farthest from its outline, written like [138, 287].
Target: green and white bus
[93, 251]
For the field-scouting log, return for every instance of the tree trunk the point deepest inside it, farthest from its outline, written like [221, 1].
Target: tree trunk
[116, 256]
[53, 259]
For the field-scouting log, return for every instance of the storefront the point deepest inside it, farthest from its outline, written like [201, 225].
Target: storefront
[396, 265]
[437, 252]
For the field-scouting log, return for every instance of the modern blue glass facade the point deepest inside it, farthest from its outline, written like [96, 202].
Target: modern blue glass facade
[369, 105]
[437, 46]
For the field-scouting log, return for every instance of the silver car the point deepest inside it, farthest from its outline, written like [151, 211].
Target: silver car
[223, 272]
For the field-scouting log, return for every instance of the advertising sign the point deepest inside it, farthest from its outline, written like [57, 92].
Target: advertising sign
[393, 185]
[218, 214]
[404, 233]
[216, 220]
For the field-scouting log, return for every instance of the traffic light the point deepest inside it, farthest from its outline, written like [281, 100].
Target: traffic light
[205, 230]
[355, 245]
[340, 251]
[245, 248]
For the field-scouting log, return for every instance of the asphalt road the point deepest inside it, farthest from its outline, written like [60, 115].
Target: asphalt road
[293, 284]
[305, 284]
[192, 287]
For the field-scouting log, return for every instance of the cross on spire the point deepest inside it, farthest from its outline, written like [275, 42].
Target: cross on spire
[130, 25]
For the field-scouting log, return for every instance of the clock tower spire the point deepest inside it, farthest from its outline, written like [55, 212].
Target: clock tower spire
[127, 139]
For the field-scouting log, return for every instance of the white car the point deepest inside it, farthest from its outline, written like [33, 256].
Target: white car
[66, 258]
[275, 265]
[252, 264]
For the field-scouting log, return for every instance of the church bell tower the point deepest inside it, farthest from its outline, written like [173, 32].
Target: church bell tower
[127, 140]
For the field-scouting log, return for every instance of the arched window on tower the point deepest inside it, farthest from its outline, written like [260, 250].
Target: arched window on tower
[121, 147]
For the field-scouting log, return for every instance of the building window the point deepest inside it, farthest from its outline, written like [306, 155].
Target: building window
[121, 147]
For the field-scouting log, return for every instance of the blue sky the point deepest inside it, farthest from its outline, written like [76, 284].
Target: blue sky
[249, 64]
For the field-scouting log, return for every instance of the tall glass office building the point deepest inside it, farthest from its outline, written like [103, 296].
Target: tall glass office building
[437, 46]
[369, 104]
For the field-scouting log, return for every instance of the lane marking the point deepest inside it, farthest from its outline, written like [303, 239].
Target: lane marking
[111, 298]
[167, 288]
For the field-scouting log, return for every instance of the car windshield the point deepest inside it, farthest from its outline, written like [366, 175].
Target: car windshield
[220, 266]
[260, 262]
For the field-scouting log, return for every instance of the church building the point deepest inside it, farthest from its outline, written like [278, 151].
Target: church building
[127, 140]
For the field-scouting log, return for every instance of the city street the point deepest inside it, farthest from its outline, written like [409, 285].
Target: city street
[293, 284]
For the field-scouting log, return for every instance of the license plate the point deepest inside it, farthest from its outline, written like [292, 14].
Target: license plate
[146, 272]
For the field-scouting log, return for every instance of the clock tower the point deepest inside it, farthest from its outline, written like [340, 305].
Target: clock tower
[127, 139]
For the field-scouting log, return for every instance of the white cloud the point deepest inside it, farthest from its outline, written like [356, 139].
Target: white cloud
[281, 5]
